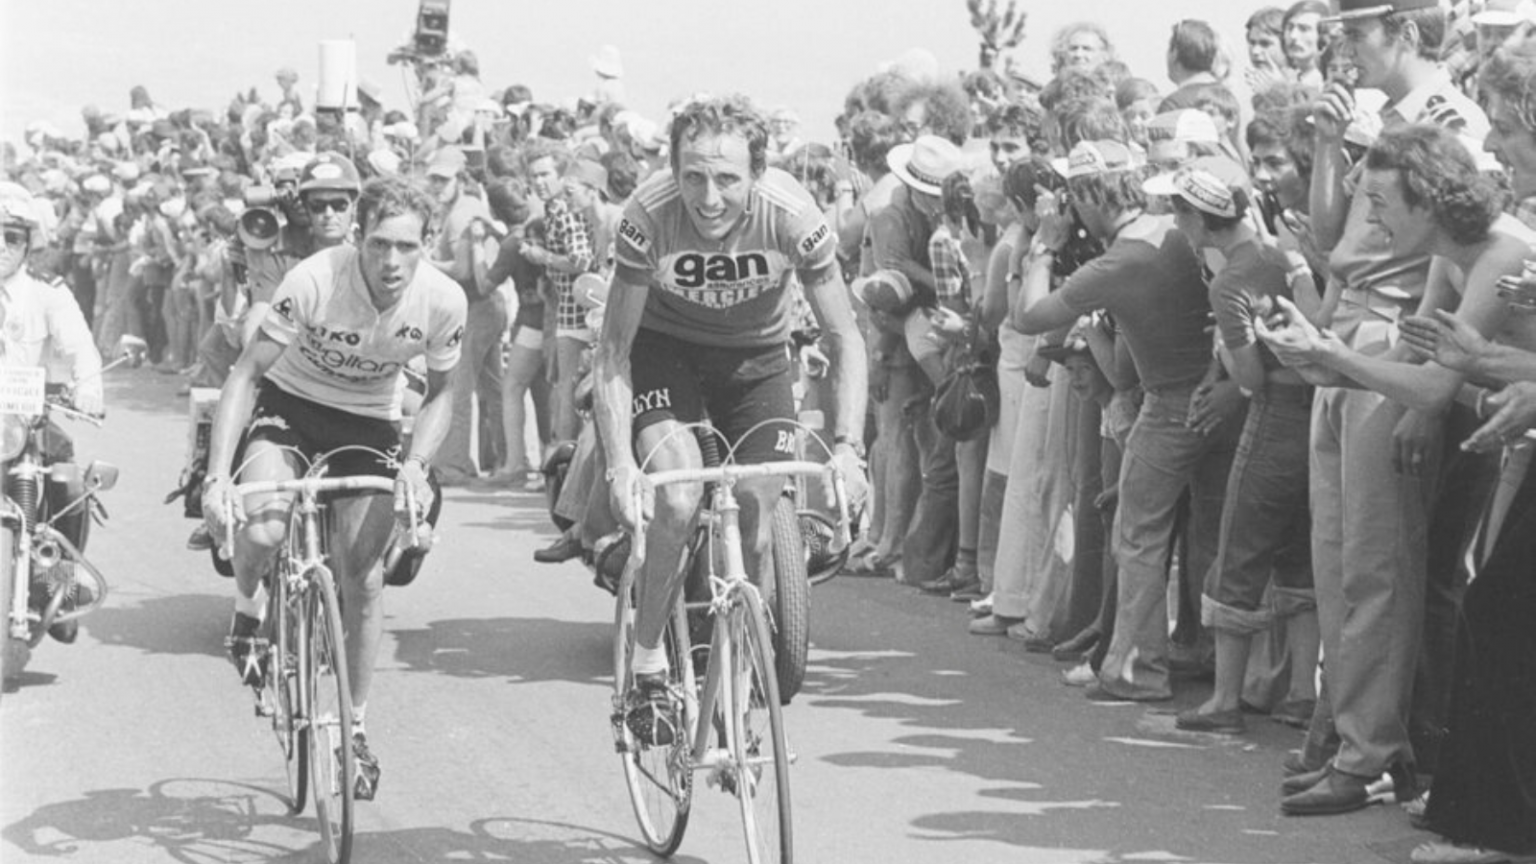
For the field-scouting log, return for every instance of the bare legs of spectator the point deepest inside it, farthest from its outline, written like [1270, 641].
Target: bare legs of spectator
[525, 362]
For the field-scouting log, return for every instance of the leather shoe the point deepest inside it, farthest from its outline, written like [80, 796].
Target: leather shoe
[967, 591]
[1304, 781]
[1073, 649]
[1296, 763]
[563, 549]
[993, 625]
[1219, 722]
[1337, 792]
[1097, 693]
[950, 581]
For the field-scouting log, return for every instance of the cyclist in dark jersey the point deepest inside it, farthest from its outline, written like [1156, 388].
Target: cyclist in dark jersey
[698, 317]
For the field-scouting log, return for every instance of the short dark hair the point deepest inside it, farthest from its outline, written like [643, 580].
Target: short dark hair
[1283, 94]
[1116, 191]
[508, 200]
[1090, 120]
[1437, 172]
[720, 115]
[1133, 90]
[958, 201]
[623, 174]
[1024, 179]
[387, 197]
[1429, 21]
[1016, 120]
[543, 148]
[1312, 7]
[1072, 84]
[1270, 19]
[1193, 45]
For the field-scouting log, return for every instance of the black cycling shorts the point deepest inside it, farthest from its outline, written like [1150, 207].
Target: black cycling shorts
[315, 429]
[736, 388]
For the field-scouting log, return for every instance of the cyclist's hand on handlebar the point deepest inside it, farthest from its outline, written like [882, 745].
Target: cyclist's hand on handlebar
[221, 506]
[88, 400]
[412, 476]
[631, 497]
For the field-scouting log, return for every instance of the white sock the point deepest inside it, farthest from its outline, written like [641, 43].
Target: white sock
[255, 606]
[648, 660]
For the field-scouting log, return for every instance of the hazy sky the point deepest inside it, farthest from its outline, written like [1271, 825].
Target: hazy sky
[57, 55]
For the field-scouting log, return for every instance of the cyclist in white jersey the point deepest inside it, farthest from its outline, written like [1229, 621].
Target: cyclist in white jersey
[698, 317]
[322, 372]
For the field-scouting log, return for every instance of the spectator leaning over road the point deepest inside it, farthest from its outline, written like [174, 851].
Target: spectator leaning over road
[1369, 561]
[1149, 280]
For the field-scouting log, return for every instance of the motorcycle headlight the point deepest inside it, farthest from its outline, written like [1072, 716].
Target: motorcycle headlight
[13, 436]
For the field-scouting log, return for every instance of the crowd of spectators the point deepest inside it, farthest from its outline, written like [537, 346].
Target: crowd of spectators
[1246, 385]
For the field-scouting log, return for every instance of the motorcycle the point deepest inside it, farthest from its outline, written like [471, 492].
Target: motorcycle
[46, 583]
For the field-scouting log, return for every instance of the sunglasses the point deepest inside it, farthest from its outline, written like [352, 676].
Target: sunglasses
[17, 238]
[320, 205]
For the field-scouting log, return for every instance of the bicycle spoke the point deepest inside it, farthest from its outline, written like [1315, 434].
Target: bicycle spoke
[758, 750]
[330, 722]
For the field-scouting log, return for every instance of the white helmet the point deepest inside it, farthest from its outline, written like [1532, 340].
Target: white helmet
[18, 209]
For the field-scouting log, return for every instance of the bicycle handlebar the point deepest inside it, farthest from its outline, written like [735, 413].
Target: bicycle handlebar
[730, 473]
[314, 486]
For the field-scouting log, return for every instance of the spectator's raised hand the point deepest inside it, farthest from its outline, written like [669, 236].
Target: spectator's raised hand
[1333, 111]
[1514, 411]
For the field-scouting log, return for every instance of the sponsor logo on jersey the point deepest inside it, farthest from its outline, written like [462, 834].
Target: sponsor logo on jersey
[410, 333]
[342, 337]
[651, 400]
[629, 231]
[809, 244]
[284, 307]
[719, 280]
[457, 337]
[785, 442]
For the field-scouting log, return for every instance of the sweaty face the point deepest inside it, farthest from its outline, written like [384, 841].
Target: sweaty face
[1301, 39]
[1007, 149]
[544, 178]
[714, 173]
[391, 250]
[1513, 144]
[1409, 229]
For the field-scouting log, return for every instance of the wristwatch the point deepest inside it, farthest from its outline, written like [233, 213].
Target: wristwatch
[856, 446]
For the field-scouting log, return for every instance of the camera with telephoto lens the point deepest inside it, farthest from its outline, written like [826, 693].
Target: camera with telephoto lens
[267, 210]
[429, 41]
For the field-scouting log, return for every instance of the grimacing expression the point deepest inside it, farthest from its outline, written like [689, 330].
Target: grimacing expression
[714, 173]
[1409, 229]
[391, 250]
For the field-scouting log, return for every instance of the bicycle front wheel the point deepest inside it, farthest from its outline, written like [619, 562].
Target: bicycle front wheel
[287, 663]
[758, 746]
[329, 713]
[790, 599]
[660, 778]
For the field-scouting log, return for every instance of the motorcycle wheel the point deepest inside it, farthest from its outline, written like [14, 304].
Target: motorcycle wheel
[14, 653]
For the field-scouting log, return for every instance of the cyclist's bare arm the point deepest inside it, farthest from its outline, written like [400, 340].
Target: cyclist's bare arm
[830, 301]
[235, 405]
[614, 391]
[435, 416]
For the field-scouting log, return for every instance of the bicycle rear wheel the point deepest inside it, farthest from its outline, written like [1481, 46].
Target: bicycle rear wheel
[331, 763]
[286, 665]
[660, 779]
[790, 600]
[758, 746]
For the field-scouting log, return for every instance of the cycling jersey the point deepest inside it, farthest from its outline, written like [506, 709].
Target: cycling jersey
[341, 351]
[730, 292]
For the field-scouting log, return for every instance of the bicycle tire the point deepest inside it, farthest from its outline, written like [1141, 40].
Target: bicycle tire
[284, 673]
[659, 780]
[332, 767]
[759, 750]
[789, 598]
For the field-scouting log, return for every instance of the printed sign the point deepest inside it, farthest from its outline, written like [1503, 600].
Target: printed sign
[21, 389]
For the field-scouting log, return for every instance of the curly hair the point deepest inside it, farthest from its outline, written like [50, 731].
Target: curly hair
[1437, 172]
[1510, 74]
[958, 199]
[1063, 38]
[720, 115]
[947, 110]
[871, 135]
[545, 148]
[1073, 84]
[387, 197]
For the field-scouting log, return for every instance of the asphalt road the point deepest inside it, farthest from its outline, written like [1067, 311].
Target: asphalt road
[915, 741]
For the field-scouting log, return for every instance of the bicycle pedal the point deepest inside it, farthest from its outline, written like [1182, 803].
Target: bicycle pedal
[262, 706]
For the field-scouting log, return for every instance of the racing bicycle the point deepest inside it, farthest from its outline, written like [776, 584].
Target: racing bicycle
[724, 696]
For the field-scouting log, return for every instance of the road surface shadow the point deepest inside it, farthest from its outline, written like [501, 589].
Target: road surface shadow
[1042, 768]
[173, 624]
[145, 390]
[495, 839]
[520, 649]
[190, 820]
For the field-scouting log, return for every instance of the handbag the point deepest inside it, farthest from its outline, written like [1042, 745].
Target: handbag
[965, 405]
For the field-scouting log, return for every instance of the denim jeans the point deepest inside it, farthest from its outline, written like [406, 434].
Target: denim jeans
[1265, 523]
[1163, 456]
[478, 373]
[929, 548]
